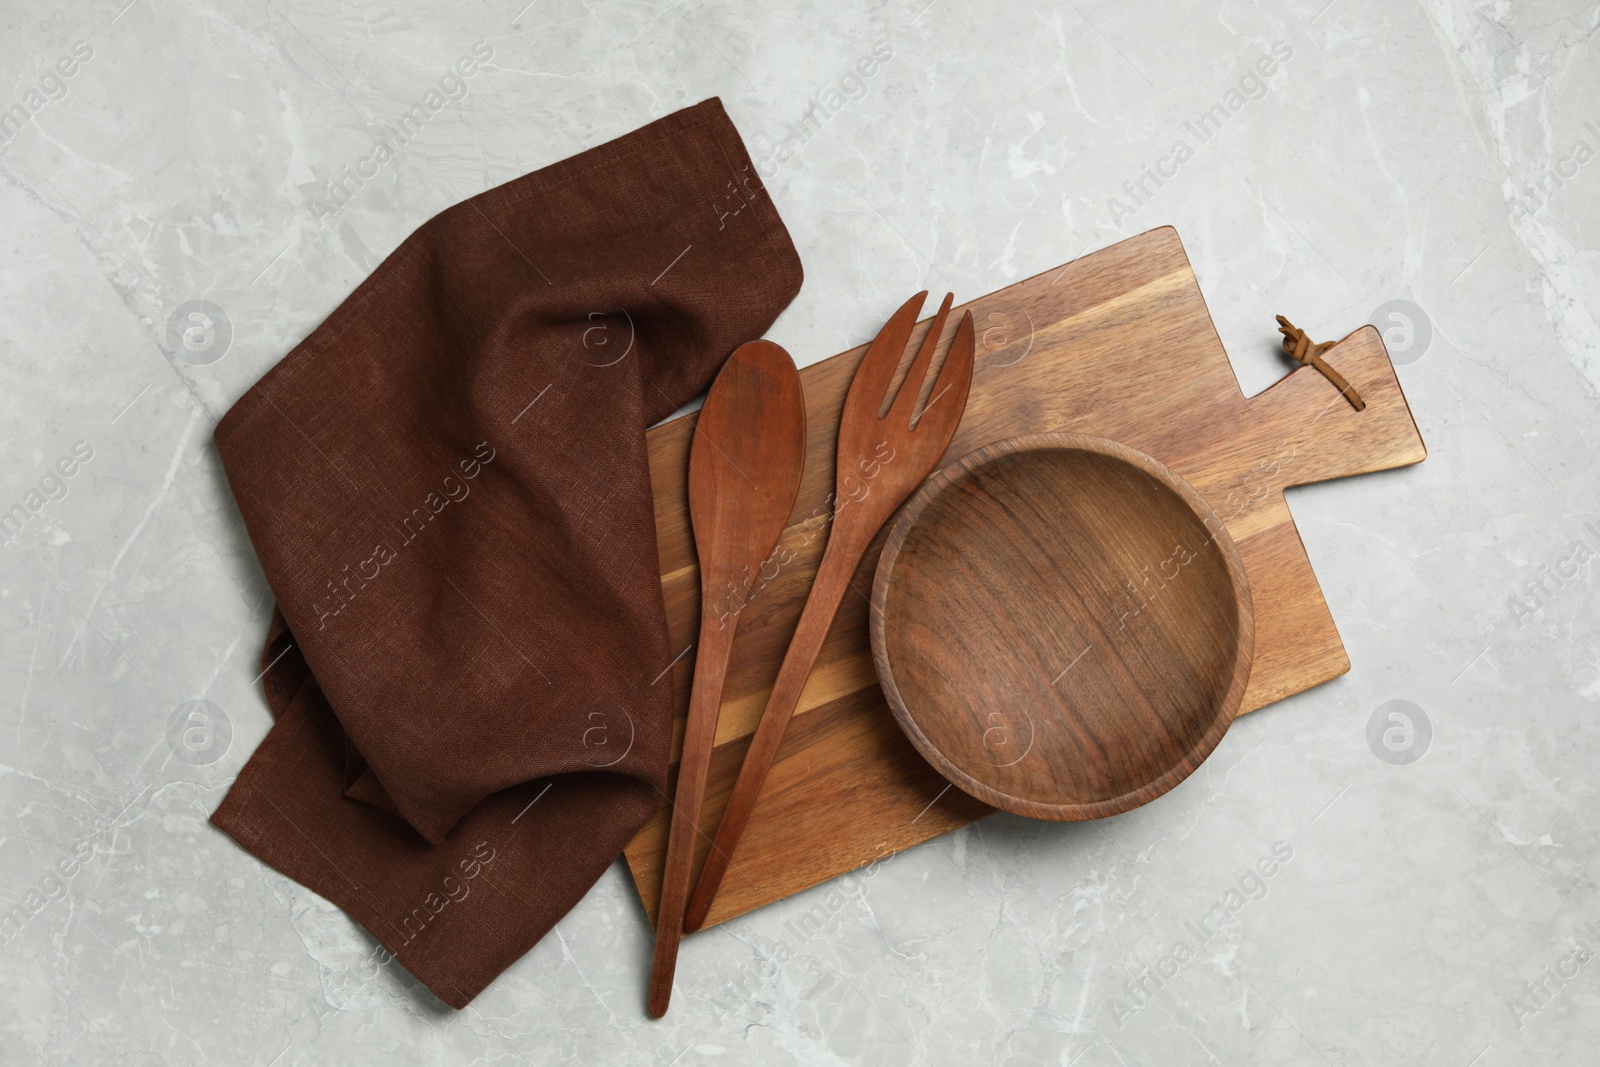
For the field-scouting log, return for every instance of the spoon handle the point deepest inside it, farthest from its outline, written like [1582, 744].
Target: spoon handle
[699, 735]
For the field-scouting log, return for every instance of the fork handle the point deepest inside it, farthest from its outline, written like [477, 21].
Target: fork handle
[844, 552]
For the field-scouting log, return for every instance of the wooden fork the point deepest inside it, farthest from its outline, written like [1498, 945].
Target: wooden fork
[890, 453]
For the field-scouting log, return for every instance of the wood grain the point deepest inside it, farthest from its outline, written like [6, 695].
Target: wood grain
[1061, 625]
[1117, 344]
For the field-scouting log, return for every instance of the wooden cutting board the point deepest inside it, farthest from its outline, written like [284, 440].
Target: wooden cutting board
[1118, 344]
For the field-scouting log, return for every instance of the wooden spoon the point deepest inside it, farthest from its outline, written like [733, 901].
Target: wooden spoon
[745, 464]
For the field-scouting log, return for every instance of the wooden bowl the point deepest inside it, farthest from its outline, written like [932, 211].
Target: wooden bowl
[1062, 626]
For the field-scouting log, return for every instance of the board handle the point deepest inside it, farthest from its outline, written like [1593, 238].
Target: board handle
[1309, 431]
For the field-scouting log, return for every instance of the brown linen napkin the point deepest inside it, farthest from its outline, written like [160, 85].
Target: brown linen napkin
[448, 489]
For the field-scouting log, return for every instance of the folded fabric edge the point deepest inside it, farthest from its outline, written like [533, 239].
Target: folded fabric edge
[530, 185]
[239, 818]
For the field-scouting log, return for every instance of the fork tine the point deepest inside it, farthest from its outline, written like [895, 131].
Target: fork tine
[876, 369]
[911, 385]
[955, 377]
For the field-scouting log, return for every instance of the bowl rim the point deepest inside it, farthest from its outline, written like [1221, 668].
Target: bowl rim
[1225, 710]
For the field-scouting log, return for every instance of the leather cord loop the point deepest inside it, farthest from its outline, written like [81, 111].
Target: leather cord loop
[1309, 354]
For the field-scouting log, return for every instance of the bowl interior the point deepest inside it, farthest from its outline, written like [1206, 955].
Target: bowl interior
[1060, 628]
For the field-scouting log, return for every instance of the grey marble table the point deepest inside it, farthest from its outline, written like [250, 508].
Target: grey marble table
[176, 214]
